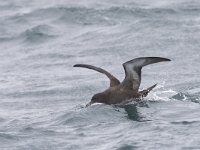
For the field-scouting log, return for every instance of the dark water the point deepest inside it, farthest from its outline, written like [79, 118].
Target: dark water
[42, 97]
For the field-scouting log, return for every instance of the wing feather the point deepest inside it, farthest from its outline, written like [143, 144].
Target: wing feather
[133, 71]
[113, 80]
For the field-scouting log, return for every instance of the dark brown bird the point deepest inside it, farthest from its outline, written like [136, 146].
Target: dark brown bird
[128, 89]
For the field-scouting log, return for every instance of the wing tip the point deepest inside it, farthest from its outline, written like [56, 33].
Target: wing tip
[158, 58]
[161, 58]
[76, 65]
[166, 59]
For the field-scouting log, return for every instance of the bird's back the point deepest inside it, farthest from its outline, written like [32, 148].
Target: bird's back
[116, 95]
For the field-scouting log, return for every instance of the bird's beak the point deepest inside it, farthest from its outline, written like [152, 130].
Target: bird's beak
[90, 103]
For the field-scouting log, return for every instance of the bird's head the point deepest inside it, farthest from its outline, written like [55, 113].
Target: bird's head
[97, 98]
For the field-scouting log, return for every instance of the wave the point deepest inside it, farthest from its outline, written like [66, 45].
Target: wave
[91, 16]
[107, 16]
[45, 18]
[168, 95]
[189, 91]
[38, 33]
[37, 93]
[187, 97]
[82, 116]
[6, 39]
[185, 122]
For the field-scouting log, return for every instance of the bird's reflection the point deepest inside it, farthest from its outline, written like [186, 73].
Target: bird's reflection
[132, 112]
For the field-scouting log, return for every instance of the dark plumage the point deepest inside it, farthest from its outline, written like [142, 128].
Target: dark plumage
[128, 88]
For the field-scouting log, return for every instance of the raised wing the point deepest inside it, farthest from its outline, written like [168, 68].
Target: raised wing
[113, 80]
[133, 71]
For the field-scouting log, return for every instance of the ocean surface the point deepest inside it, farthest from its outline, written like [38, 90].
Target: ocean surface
[43, 98]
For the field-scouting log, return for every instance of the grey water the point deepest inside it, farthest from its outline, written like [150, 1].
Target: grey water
[42, 97]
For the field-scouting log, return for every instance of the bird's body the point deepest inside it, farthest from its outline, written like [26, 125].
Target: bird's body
[120, 92]
[115, 95]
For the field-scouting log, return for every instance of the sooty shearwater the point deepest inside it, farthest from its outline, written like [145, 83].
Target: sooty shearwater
[128, 89]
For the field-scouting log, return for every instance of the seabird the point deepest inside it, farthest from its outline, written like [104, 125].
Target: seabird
[128, 89]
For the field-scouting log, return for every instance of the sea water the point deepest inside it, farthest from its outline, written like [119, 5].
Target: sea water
[42, 97]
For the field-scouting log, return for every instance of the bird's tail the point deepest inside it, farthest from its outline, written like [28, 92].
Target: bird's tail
[145, 92]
